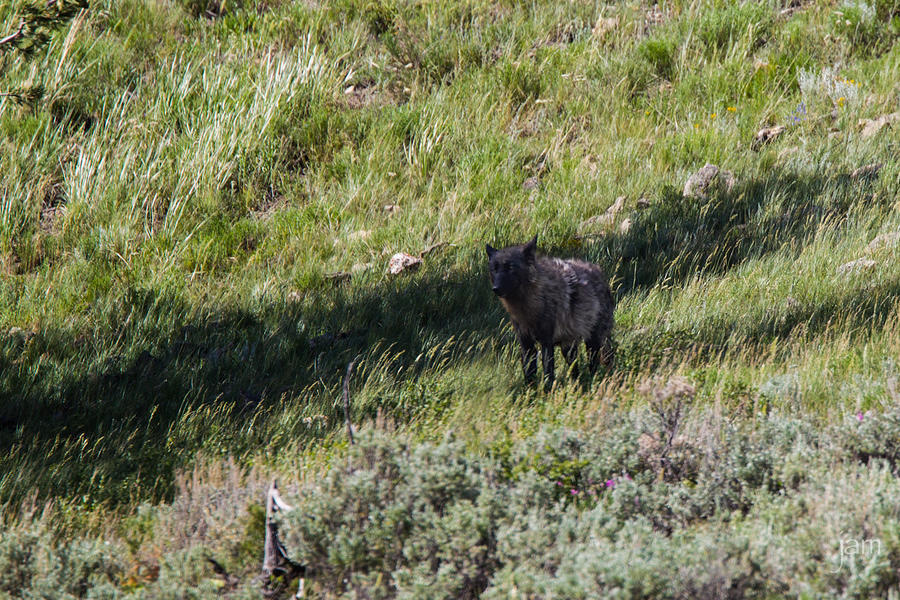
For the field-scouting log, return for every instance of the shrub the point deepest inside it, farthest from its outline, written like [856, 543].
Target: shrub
[34, 565]
[579, 514]
[401, 522]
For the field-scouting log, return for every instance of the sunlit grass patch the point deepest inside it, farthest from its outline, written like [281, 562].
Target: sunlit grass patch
[197, 219]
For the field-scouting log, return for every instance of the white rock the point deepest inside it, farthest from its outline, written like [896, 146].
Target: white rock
[766, 135]
[860, 264]
[608, 217]
[866, 171]
[884, 240]
[699, 184]
[872, 126]
[402, 261]
[604, 26]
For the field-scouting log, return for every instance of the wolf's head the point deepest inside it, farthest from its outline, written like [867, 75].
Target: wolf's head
[510, 268]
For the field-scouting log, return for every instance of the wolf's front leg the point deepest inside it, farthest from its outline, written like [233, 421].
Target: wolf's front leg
[548, 364]
[529, 357]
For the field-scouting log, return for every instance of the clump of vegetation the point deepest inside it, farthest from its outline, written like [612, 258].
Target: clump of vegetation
[199, 201]
[589, 513]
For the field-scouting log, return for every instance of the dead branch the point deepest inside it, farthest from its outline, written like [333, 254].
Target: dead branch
[15, 35]
[231, 582]
[275, 559]
[347, 401]
[433, 247]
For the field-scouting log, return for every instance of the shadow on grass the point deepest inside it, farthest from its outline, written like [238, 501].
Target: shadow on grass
[112, 414]
[857, 309]
[677, 238]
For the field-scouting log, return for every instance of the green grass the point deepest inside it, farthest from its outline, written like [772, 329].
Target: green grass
[174, 209]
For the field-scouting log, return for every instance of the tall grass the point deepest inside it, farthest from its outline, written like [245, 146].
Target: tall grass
[196, 221]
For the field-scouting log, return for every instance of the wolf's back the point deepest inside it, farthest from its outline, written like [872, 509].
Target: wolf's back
[576, 296]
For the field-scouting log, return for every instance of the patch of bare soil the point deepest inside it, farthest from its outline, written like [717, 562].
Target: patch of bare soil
[269, 204]
[362, 95]
[53, 207]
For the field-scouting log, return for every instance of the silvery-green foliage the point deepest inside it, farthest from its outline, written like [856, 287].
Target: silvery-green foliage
[869, 436]
[35, 566]
[774, 508]
[401, 522]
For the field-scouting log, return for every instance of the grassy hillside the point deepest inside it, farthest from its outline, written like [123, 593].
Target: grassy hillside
[196, 219]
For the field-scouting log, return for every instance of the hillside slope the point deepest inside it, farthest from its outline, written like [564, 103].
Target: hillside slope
[196, 219]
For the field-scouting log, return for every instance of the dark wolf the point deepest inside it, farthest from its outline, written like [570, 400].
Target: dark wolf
[553, 302]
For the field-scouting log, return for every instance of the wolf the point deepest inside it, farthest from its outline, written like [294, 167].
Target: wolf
[553, 302]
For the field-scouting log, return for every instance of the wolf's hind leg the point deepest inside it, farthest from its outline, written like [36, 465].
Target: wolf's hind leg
[600, 349]
[570, 353]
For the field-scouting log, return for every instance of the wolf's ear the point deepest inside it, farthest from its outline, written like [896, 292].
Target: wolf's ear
[491, 251]
[530, 247]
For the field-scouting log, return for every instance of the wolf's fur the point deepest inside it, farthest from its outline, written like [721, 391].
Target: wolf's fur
[553, 302]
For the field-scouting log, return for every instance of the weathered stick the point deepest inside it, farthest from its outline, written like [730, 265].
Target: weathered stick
[274, 558]
[14, 36]
[347, 401]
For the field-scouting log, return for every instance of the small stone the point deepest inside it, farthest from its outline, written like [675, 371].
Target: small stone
[625, 226]
[699, 184]
[337, 276]
[295, 296]
[604, 26]
[402, 261]
[866, 171]
[872, 126]
[788, 153]
[884, 240]
[642, 204]
[766, 135]
[860, 264]
[663, 88]
[20, 335]
[608, 217]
